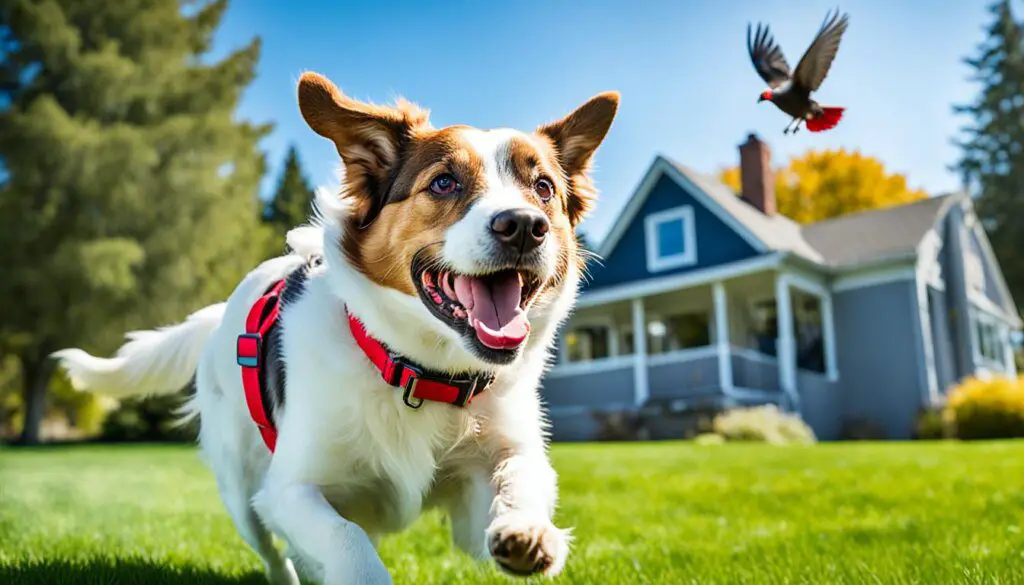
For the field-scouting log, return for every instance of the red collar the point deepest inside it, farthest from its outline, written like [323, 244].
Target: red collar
[416, 383]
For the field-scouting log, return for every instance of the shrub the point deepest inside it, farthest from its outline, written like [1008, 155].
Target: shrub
[620, 425]
[986, 408]
[861, 429]
[766, 424]
[148, 419]
[709, 439]
[931, 426]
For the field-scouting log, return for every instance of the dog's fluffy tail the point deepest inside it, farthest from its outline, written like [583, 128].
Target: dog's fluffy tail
[151, 362]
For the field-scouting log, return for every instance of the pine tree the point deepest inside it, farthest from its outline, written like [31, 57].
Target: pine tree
[293, 198]
[992, 165]
[127, 189]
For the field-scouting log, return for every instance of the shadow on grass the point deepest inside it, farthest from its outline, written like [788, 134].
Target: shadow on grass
[118, 572]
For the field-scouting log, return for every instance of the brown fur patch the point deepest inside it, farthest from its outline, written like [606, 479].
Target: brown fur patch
[392, 154]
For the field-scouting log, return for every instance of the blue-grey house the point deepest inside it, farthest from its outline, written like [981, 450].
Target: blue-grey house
[702, 295]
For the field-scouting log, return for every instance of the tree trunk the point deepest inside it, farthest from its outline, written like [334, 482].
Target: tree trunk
[35, 375]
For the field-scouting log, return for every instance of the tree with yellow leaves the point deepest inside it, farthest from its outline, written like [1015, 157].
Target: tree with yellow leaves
[828, 183]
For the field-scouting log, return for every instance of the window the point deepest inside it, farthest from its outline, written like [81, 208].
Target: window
[810, 346]
[676, 332]
[990, 341]
[764, 326]
[586, 343]
[671, 239]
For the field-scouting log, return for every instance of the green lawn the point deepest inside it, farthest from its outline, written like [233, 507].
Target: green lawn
[643, 513]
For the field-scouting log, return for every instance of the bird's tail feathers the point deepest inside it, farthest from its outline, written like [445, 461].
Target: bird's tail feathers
[829, 119]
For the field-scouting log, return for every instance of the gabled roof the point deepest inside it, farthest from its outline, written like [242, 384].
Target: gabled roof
[875, 234]
[765, 233]
[837, 243]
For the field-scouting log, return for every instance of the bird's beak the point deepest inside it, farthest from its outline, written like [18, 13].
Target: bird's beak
[760, 98]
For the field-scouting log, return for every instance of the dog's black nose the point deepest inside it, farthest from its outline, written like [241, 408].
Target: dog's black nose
[521, 230]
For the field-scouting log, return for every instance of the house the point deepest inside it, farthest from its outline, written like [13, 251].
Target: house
[706, 297]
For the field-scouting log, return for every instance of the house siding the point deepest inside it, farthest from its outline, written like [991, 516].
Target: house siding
[592, 390]
[942, 340]
[717, 243]
[878, 344]
[679, 380]
[820, 404]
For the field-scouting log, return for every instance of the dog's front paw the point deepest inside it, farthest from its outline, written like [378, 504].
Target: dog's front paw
[524, 545]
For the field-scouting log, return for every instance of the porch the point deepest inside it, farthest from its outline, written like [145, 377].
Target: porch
[749, 337]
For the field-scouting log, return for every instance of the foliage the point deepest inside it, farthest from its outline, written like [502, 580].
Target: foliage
[861, 429]
[763, 424]
[709, 439]
[826, 184]
[931, 425]
[620, 425]
[986, 408]
[292, 201]
[643, 513]
[128, 196]
[152, 419]
[992, 163]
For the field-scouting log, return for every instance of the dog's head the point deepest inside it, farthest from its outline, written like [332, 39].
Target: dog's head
[478, 225]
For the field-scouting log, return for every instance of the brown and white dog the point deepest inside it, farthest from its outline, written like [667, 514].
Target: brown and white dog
[455, 248]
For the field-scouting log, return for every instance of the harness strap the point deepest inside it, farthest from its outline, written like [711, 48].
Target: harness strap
[417, 384]
[262, 318]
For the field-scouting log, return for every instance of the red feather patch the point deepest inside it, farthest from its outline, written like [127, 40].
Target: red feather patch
[828, 119]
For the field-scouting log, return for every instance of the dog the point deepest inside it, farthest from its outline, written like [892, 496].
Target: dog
[450, 255]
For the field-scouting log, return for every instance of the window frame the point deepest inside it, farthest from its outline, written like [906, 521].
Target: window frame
[656, 262]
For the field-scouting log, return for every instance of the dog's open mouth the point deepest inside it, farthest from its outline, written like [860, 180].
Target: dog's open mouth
[492, 306]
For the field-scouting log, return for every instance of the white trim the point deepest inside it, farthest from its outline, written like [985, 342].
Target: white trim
[681, 356]
[590, 367]
[656, 262]
[828, 325]
[873, 278]
[640, 390]
[925, 337]
[663, 284]
[754, 356]
[784, 345]
[808, 285]
[659, 168]
[993, 263]
[721, 301]
[1008, 355]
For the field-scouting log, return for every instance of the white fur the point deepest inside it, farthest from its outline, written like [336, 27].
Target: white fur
[353, 462]
[469, 240]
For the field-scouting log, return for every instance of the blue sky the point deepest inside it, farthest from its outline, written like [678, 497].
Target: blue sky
[688, 88]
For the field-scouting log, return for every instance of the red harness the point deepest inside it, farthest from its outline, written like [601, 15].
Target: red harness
[417, 383]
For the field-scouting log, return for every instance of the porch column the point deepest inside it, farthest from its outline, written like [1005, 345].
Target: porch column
[640, 390]
[828, 327]
[785, 343]
[722, 336]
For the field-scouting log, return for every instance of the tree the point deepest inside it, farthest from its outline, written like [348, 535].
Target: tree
[829, 183]
[127, 189]
[293, 198]
[992, 164]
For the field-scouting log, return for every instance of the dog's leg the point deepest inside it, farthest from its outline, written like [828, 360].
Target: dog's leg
[521, 537]
[468, 502]
[279, 568]
[302, 515]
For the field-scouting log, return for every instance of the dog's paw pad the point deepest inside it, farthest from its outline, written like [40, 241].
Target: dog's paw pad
[522, 547]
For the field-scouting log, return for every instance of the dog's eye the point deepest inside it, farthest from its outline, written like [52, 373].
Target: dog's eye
[444, 184]
[545, 190]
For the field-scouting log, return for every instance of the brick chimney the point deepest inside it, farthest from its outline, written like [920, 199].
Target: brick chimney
[756, 178]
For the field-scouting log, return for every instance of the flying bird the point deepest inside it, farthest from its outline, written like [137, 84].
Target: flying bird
[791, 92]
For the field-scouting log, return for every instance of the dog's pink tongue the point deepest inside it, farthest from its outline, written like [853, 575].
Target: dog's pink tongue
[493, 307]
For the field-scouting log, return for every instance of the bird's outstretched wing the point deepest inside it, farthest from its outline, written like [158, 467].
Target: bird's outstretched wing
[816, 62]
[767, 56]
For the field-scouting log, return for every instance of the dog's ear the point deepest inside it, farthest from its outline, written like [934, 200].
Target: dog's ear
[368, 137]
[576, 138]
